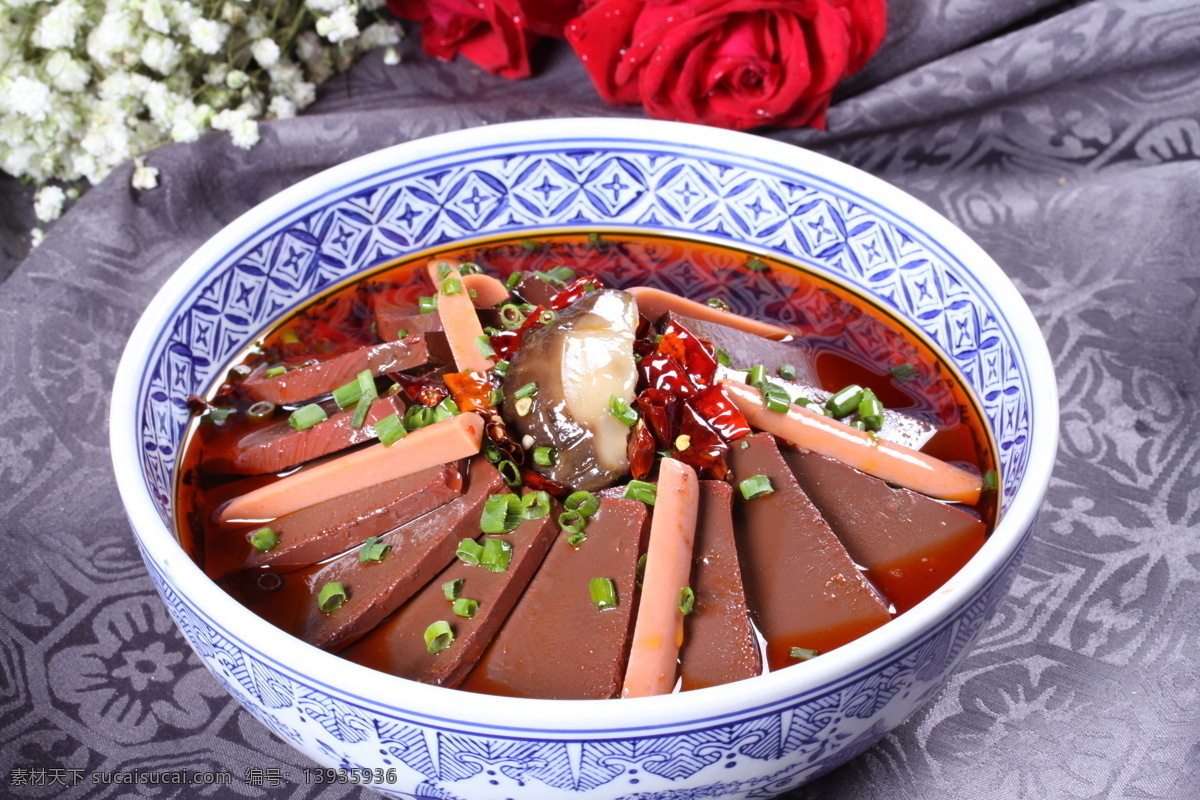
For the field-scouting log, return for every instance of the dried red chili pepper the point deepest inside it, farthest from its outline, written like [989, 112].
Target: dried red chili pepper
[661, 411]
[472, 391]
[720, 412]
[666, 374]
[539, 483]
[421, 389]
[640, 450]
[695, 354]
[506, 343]
[703, 450]
[575, 290]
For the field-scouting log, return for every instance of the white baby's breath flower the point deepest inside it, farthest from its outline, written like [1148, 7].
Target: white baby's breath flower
[48, 203]
[161, 55]
[155, 17]
[113, 35]
[36, 237]
[236, 79]
[245, 133]
[257, 27]
[265, 52]
[322, 7]
[25, 96]
[65, 73]
[391, 56]
[304, 94]
[58, 28]
[215, 75]
[207, 35]
[339, 26]
[281, 107]
[233, 13]
[379, 34]
[144, 177]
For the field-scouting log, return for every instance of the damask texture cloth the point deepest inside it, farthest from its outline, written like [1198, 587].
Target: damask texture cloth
[1065, 138]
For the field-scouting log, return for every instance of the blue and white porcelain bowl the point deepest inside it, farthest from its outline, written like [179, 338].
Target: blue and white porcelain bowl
[753, 739]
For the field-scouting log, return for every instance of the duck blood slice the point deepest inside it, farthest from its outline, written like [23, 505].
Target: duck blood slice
[745, 349]
[391, 321]
[802, 586]
[420, 550]
[397, 645]
[909, 543]
[328, 529]
[304, 383]
[556, 644]
[279, 446]
[535, 290]
[719, 643]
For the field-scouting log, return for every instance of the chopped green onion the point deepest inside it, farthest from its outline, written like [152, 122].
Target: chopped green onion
[755, 265]
[264, 540]
[545, 456]
[275, 372]
[444, 410]
[577, 538]
[547, 317]
[641, 569]
[572, 521]
[757, 375]
[603, 592]
[903, 371]
[347, 394]
[723, 358]
[305, 417]
[717, 303]
[991, 480]
[585, 503]
[373, 550]
[366, 384]
[390, 430]
[845, 402]
[745, 445]
[787, 372]
[496, 396]
[464, 607]
[620, 409]
[484, 343]
[443, 269]
[426, 305]
[453, 589]
[594, 239]
[776, 397]
[755, 487]
[640, 490]
[501, 369]
[536, 505]
[289, 336]
[857, 424]
[438, 636]
[870, 411]
[451, 286]
[513, 278]
[400, 334]
[490, 452]
[510, 472]
[559, 275]
[687, 600]
[511, 316]
[502, 513]
[804, 654]
[331, 596]
[469, 268]
[469, 552]
[497, 554]
[261, 410]
[418, 416]
[528, 390]
[217, 415]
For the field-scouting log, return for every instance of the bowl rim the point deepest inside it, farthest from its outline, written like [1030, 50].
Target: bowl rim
[438, 707]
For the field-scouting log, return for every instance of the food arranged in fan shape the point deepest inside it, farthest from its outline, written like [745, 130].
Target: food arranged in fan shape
[523, 469]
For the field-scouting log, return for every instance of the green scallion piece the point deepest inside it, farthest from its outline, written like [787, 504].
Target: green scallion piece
[501, 369]
[991, 480]
[444, 410]
[417, 416]
[755, 487]
[438, 636]
[451, 286]
[559, 275]
[903, 372]
[496, 396]
[857, 424]
[642, 491]
[264, 540]
[275, 372]
[496, 556]
[453, 589]
[465, 607]
[331, 596]
[469, 268]
[787, 372]
[390, 430]
[585, 503]
[723, 358]
[536, 505]
[305, 417]
[804, 654]
[366, 385]
[603, 592]
[641, 569]
[514, 278]
[347, 394]
[775, 397]
[528, 390]
[757, 375]
[510, 472]
[443, 269]
[469, 552]
[620, 409]
[547, 317]
[745, 445]
[401, 334]
[426, 305]
[845, 402]
[572, 521]
[870, 411]
[545, 456]
[687, 600]
[484, 344]
[577, 538]
[502, 513]
[717, 303]
[373, 550]
[216, 415]
[511, 316]
[262, 410]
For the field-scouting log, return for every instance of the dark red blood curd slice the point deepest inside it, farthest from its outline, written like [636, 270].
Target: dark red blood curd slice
[279, 446]
[327, 529]
[535, 290]
[909, 543]
[391, 321]
[556, 644]
[420, 550]
[719, 643]
[305, 383]
[397, 646]
[745, 349]
[802, 586]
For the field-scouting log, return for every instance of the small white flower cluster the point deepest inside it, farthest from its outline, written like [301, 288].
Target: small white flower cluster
[86, 85]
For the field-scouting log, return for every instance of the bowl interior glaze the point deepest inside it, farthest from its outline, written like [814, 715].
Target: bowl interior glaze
[757, 738]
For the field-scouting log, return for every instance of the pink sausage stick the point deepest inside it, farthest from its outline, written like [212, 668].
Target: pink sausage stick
[459, 320]
[658, 632]
[883, 459]
[439, 443]
[489, 291]
[655, 302]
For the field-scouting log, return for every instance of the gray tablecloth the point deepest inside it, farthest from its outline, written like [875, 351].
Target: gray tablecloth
[1064, 137]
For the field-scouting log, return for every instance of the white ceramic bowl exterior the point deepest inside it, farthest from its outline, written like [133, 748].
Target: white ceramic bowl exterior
[753, 739]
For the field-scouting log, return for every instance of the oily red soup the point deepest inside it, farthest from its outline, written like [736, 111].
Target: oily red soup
[586, 466]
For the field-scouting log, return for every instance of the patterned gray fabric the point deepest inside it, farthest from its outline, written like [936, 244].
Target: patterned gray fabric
[1064, 137]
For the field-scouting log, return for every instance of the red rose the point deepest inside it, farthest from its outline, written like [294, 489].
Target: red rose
[730, 63]
[494, 34]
